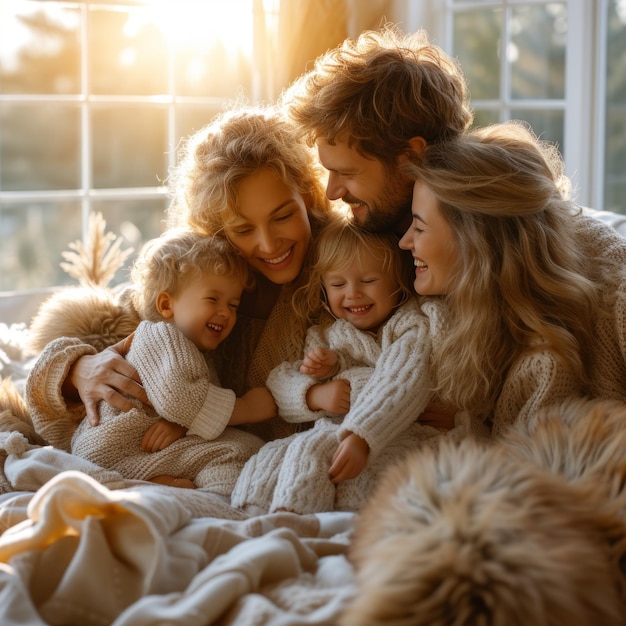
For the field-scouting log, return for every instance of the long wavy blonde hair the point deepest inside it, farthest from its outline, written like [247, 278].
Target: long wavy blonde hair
[522, 283]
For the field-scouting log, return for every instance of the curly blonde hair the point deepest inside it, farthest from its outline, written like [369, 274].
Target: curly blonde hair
[339, 243]
[237, 143]
[379, 91]
[169, 262]
[523, 283]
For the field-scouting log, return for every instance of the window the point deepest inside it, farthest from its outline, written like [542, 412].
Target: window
[559, 65]
[96, 96]
[94, 100]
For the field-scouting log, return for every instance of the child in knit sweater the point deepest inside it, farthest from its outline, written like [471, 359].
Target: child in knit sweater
[188, 290]
[363, 379]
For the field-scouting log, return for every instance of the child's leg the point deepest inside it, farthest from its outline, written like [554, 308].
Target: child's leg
[303, 485]
[257, 480]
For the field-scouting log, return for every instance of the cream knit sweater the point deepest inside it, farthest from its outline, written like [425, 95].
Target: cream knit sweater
[182, 387]
[390, 387]
[540, 379]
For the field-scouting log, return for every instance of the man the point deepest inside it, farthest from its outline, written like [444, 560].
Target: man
[368, 104]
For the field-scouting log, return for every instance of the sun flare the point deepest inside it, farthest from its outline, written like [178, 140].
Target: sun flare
[202, 24]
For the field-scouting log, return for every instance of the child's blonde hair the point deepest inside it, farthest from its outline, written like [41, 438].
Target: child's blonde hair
[338, 245]
[170, 261]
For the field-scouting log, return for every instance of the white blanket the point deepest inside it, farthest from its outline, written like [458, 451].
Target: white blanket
[91, 556]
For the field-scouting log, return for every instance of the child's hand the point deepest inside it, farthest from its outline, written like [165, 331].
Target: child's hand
[349, 459]
[319, 362]
[255, 406]
[332, 396]
[161, 434]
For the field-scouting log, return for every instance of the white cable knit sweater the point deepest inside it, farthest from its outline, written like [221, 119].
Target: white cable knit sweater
[184, 388]
[390, 388]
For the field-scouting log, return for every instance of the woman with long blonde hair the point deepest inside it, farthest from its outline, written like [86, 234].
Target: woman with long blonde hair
[525, 275]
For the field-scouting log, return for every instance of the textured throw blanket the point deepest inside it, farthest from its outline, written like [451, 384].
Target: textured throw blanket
[88, 555]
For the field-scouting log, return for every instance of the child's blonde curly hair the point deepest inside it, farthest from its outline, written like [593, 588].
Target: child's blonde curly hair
[167, 263]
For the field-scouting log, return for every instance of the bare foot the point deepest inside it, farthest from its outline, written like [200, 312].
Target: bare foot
[170, 481]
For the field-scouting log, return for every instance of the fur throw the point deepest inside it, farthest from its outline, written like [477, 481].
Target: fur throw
[99, 317]
[529, 531]
[14, 414]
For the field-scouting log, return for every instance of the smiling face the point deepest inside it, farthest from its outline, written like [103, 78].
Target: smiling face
[378, 196]
[361, 293]
[432, 244]
[205, 309]
[272, 229]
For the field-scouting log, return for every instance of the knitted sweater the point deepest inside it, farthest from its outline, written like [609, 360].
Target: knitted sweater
[390, 387]
[182, 387]
[388, 374]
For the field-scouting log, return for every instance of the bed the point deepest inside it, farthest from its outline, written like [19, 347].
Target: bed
[80, 545]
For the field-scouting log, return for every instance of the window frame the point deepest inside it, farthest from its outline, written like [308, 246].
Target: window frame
[87, 102]
[585, 80]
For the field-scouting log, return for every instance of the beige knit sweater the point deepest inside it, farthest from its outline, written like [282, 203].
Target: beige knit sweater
[540, 379]
[182, 387]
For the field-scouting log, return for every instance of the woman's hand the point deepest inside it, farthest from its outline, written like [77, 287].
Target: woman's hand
[104, 376]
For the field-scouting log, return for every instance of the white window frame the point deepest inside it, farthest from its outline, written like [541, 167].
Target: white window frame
[585, 82]
[85, 194]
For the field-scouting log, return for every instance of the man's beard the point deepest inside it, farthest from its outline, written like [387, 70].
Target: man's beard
[392, 211]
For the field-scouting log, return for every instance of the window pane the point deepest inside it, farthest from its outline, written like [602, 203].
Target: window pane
[485, 117]
[39, 48]
[40, 147]
[127, 53]
[477, 41]
[213, 43]
[32, 237]
[189, 120]
[135, 221]
[547, 125]
[213, 72]
[537, 51]
[615, 137]
[129, 146]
